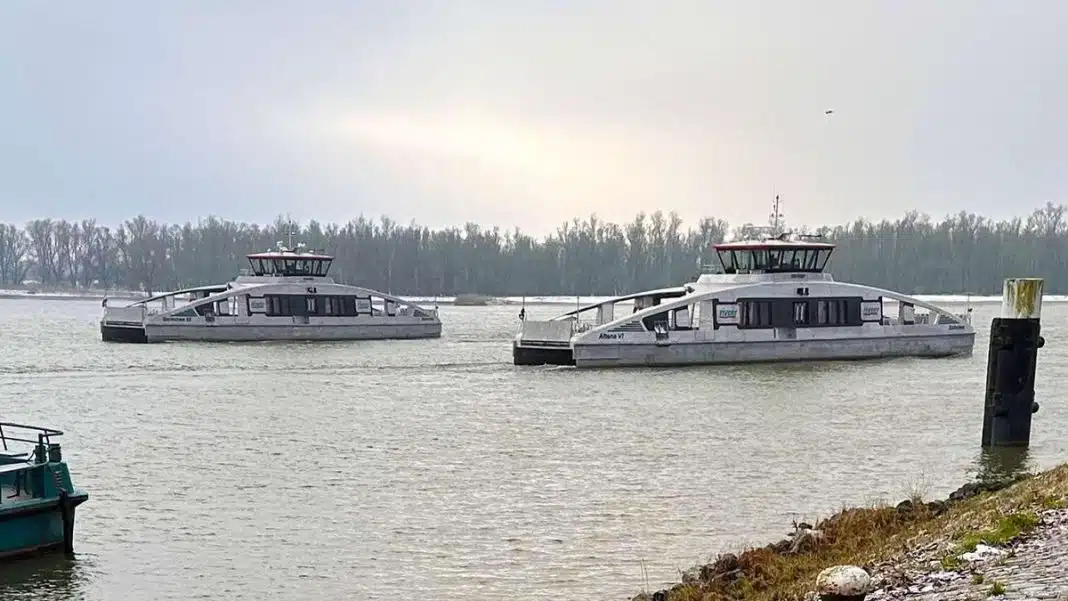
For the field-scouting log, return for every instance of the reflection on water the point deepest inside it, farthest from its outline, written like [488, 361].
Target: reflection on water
[1002, 463]
[54, 576]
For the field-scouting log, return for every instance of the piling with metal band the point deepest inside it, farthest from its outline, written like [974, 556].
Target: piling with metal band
[1010, 368]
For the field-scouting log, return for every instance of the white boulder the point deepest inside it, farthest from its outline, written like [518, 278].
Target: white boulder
[842, 583]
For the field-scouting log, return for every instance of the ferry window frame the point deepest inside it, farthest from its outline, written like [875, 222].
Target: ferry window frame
[801, 313]
[736, 258]
[788, 259]
[370, 305]
[726, 261]
[825, 256]
[781, 312]
[290, 305]
[760, 318]
[840, 311]
[759, 259]
[774, 259]
[664, 317]
[291, 266]
[348, 305]
[689, 309]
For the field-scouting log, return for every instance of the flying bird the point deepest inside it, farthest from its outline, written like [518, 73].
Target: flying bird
[828, 111]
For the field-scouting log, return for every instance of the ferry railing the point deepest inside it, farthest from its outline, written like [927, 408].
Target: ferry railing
[44, 448]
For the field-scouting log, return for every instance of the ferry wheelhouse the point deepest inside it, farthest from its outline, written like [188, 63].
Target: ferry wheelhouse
[286, 294]
[771, 301]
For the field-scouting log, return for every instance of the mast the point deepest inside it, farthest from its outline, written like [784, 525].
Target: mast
[776, 220]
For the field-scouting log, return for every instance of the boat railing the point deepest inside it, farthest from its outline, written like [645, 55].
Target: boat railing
[926, 318]
[579, 326]
[13, 436]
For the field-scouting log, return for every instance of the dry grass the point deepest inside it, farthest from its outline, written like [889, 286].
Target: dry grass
[871, 535]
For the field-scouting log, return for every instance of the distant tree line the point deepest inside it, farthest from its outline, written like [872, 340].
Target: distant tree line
[964, 253]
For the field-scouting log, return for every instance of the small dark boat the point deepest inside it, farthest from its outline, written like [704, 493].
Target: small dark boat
[37, 497]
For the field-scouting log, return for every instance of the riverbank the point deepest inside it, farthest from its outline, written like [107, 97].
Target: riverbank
[68, 295]
[1006, 538]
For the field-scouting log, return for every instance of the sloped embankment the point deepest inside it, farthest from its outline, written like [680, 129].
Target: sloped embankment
[913, 548]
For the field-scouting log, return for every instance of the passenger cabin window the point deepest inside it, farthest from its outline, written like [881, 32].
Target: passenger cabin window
[774, 259]
[287, 305]
[793, 313]
[755, 314]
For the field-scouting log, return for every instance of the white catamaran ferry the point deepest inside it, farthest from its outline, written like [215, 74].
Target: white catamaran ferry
[287, 295]
[772, 302]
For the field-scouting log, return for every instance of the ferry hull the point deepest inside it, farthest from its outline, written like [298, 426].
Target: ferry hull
[110, 333]
[264, 333]
[38, 526]
[538, 355]
[713, 353]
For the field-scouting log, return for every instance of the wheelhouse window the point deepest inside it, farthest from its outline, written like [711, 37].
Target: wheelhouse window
[774, 259]
[290, 266]
[726, 259]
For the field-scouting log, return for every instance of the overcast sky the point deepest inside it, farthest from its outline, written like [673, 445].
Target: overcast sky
[526, 113]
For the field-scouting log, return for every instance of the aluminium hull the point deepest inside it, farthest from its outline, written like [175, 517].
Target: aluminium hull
[122, 333]
[35, 526]
[541, 354]
[289, 332]
[719, 353]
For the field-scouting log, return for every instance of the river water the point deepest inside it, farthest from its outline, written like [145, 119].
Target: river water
[438, 470]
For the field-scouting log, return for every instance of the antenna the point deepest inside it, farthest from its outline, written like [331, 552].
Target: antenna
[776, 218]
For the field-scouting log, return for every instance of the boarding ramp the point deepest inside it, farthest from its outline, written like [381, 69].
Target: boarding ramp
[125, 316]
[554, 333]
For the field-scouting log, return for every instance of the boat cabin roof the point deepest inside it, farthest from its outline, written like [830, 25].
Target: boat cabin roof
[770, 244]
[288, 254]
[774, 255]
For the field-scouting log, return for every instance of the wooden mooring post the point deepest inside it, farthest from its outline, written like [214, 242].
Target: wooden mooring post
[1010, 368]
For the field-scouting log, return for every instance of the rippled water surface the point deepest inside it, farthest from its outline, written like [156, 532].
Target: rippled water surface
[437, 470]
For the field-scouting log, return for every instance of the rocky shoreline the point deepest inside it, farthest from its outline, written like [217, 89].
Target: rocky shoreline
[1033, 566]
[1005, 538]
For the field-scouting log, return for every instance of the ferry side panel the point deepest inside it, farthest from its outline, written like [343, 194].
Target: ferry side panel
[712, 353]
